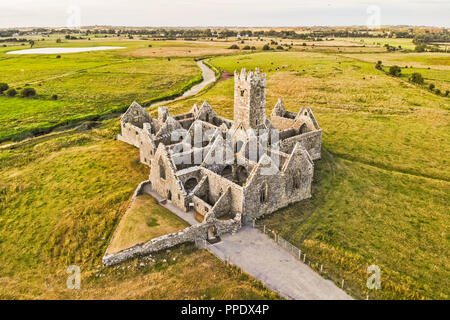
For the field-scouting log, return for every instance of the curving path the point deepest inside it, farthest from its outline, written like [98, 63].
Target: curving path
[208, 77]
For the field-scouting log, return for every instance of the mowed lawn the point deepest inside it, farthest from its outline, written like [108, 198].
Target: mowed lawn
[382, 189]
[86, 85]
[60, 202]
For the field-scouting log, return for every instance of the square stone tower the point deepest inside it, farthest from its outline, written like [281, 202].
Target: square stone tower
[249, 99]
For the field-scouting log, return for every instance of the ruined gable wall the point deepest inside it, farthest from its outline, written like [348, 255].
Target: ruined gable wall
[312, 141]
[168, 185]
[130, 134]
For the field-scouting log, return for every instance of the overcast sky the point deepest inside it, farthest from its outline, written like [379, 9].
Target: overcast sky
[61, 13]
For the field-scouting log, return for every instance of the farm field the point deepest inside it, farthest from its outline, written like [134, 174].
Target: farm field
[61, 200]
[381, 191]
[382, 187]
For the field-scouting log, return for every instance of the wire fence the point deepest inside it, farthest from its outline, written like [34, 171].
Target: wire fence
[297, 253]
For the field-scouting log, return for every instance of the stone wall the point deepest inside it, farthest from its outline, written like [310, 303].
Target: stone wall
[312, 141]
[189, 234]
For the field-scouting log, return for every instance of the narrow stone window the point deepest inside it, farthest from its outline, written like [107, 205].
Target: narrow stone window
[264, 193]
[297, 180]
[162, 170]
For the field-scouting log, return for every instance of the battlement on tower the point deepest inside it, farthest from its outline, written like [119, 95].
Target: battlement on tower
[252, 77]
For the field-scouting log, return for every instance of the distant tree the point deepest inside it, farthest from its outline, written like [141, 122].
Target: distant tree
[58, 57]
[421, 47]
[437, 91]
[58, 40]
[266, 47]
[253, 48]
[3, 87]
[11, 92]
[54, 97]
[395, 71]
[280, 48]
[28, 92]
[416, 78]
[379, 65]
[234, 46]
[31, 42]
[150, 46]
[246, 48]
[431, 86]
[446, 93]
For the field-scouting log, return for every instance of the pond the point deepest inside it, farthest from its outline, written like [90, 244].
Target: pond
[62, 50]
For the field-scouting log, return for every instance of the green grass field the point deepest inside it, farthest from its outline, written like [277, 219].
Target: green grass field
[382, 188]
[87, 85]
[380, 195]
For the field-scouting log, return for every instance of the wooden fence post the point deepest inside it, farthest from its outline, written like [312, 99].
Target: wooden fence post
[343, 283]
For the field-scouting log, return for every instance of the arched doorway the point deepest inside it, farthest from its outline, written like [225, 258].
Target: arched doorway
[212, 236]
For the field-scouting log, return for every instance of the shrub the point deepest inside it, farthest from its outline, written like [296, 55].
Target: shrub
[437, 91]
[431, 86]
[150, 46]
[54, 97]
[58, 57]
[253, 48]
[28, 92]
[266, 47]
[280, 48]
[3, 87]
[246, 48]
[416, 78]
[234, 46]
[446, 93]
[11, 92]
[379, 65]
[421, 47]
[395, 71]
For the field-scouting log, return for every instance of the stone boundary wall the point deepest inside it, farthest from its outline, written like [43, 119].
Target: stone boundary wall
[170, 240]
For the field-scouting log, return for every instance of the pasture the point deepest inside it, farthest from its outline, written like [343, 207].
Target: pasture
[380, 194]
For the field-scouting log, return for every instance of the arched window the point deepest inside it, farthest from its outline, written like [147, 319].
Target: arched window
[264, 193]
[303, 128]
[297, 180]
[162, 169]
[239, 145]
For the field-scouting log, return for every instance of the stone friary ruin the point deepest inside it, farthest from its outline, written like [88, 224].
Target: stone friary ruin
[223, 172]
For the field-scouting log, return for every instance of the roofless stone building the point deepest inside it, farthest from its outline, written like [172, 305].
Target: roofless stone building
[223, 172]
